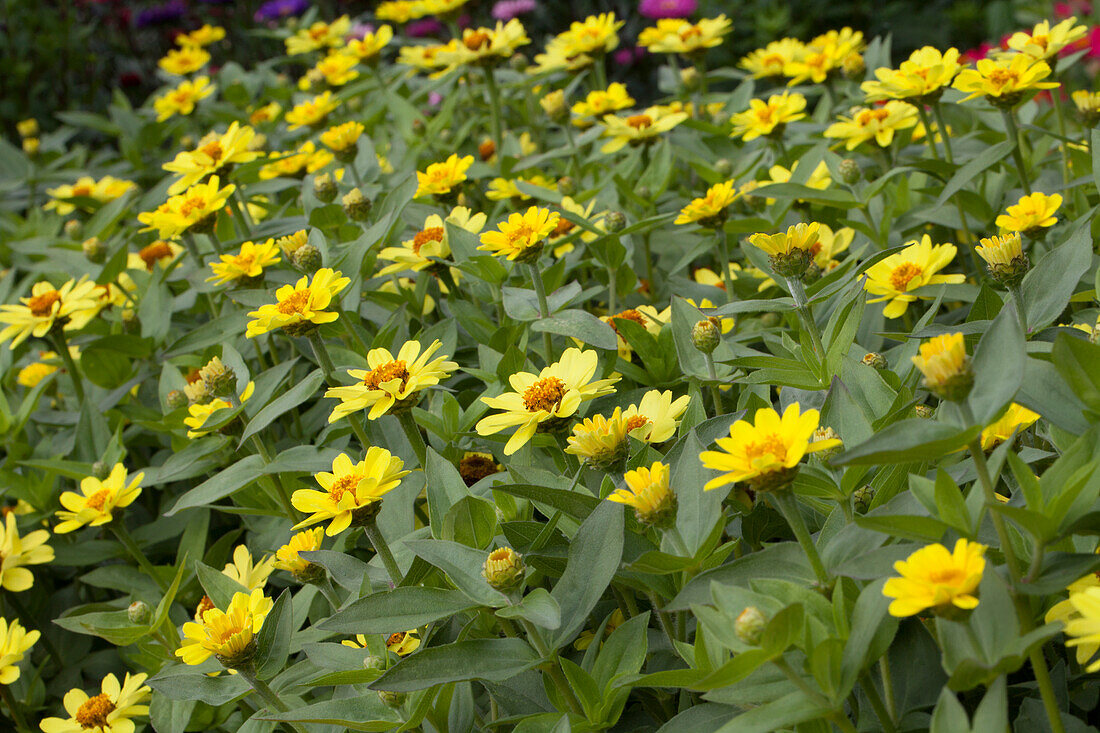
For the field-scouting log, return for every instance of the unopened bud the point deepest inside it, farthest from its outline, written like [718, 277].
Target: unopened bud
[504, 569]
[518, 62]
[644, 192]
[220, 380]
[689, 77]
[723, 167]
[176, 399]
[101, 470]
[567, 186]
[771, 319]
[553, 104]
[923, 411]
[486, 149]
[306, 258]
[874, 360]
[324, 188]
[356, 205]
[862, 497]
[705, 335]
[94, 250]
[392, 699]
[853, 65]
[74, 228]
[130, 321]
[615, 221]
[197, 392]
[849, 171]
[373, 661]
[750, 625]
[826, 433]
[31, 146]
[27, 127]
[138, 612]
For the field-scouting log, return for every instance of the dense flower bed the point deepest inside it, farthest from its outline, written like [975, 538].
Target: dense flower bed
[445, 386]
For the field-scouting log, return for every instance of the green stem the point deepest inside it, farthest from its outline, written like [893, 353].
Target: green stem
[715, 393]
[1046, 690]
[1018, 302]
[495, 109]
[666, 625]
[612, 289]
[798, 292]
[990, 494]
[787, 505]
[267, 695]
[599, 73]
[724, 265]
[378, 541]
[885, 719]
[574, 160]
[412, 432]
[13, 706]
[329, 370]
[62, 348]
[553, 669]
[544, 309]
[1067, 172]
[345, 319]
[888, 686]
[937, 110]
[950, 159]
[810, 692]
[1017, 147]
[120, 532]
[240, 213]
[277, 484]
[325, 586]
[929, 134]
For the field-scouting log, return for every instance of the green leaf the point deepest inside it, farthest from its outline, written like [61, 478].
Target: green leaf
[273, 641]
[968, 172]
[397, 610]
[463, 565]
[580, 325]
[221, 485]
[909, 440]
[998, 367]
[784, 713]
[219, 586]
[1050, 283]
[572, 503]
[285, 402]
[183, 682]
[361, 712]
[538, 607]
[471, 521]
[494, 660]
[105, 367]
[949, 715]
[623, 652]
[444, 488]
[1078, 361]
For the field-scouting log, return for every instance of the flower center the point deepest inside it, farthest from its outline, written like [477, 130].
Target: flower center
[545, 394]
[431, 234]
[473, 468]
[244, 262]
[868, 116]
[82, 190]
[563, 227]
[395, 639]
[98, 499]
[946, 576]
[318, 33]
[42, 305]
[639, 122]
[765, 115]
[1041, 40]
[93, 713]
[628, 315]
[195, 203]
[903, 274]
[476, 40]
[773, 447]
[154, 252]
[635, 422]
[387, 372]
[772, 61]
[204, 605]
[692, 31]
[213, 149]
[1000, 78]
[522, 233]
[343, 485]
[296, 302]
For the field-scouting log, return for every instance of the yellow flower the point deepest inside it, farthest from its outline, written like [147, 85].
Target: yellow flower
[199, 413]
[773, 58]
[1004, 82]
[1087, 103]
[391, 381]
[430, 242]
[228, 635]
[342, 138]
[111, 711]
[27, 128]
[197, 206]
[648, 492]
[486, 45]
[371, 44]
[350, 491]
[936, 579]
[923, 76]
[287, 557]
[440, 178]
[336, 69]
[1065, 611]
[319, 35]
[945, 366]
[1031, 213]
[601, 102]
[600, 441]
[312, 111]
[1000, 250]
[302, 303]
[895, 277]
[645, 316]
[506, 188]
[214, 153]
[30, 375]
[159, 253]
[105, 189]
[307, 159]
[797, 237]
[204, 36]
[267, 113]
[15, 642]
[97, 500]
[676, 35]
[248, 263]
[768, 118]
[596, 34]
[1017, 418]
[426, 58]
[17, 552]
[400, 11]
[521, 236]
[707, 276]
[561, 239]
[655, 418]
[73, 305]
[402, 643]
[765, 452]
[711, 207]
[873, 123]
[182, 99]
[1084, 626]
[252, 576]
[1044, 41]
[819, 179]
[638, 129]
[181, 61]
[823, 55]
[544, 399]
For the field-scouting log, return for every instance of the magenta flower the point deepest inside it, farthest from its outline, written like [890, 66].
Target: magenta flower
[423, 28]
[508, 9]
[667, 8]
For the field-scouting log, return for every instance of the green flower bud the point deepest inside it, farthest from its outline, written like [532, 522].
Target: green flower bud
[139, 613]
[750, 625]
[504, 569]
[306, 258]
[615, 221]
[220, 380]
[518, 62]
[74, 228]
[101, 470]
[849, 171]
[94, 250]
[392, 699]
[862, 497]
[176, 399]
[923, 411]
[771, 319]
[567, 186]
[874, 360]
[705, 335]
[723, 167]
[324, 188]
[356, 205]
[373, 661]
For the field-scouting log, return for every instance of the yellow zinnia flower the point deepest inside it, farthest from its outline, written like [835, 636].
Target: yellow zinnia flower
[182, 61]
[252, 576]
[945, 366]
[601, 102]
[342, 138]
[319, 35]
[182, 99]
[895, 277]
[773, 58]
[922, 77]
[677, 35]
[710, 210]
[645, 316]
[288, 558]
[199, 413]
[204, 36]
[97, 499]
[1084, 627]
[596, 34]
[72, 305]
[391, 382]
[485, 46]
[877, 123]
[1017, 418]
[600, 441]
[430, 242]
[439, 178]
[1044, 42]
[648, 492]
[521, 236]
[370, 46]
[1087, 104]
[196, 208]
[104, 190]
[1064, 611]
[932, 578]
[501, 189]
[290, 164]
[768, 118]
[561, 239]
[214, 153]
[312, 111]
[546, 398]
[400, 643]
[30, 375]
[1004, 83]
[1031, 213]
[823, 55]
[1000, 250]
[17, 552]
[656, 417]
[228, 635]
[248, 263]
[15, 642]
[111, 711]
[299, 306]
[336, 69]
[638, 129]
[351, 491]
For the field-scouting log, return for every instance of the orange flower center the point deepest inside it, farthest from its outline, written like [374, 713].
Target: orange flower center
[635, 422]
[773, 446]
[195, 203]
[343, 485]
[522, 233]
[639, 122]
[431, 234]
[395, 639]
[296, 302]
[1000, 78]
[628, 315]
[765, 114]
[93, 713]
[1041, 40]
[82, 189]
[213, 149]
[42, 305]
[204, 605]
[545, 394]
[563, 227]
[486, 149]
[772, 61]
[318, 33]
[692, 31]
[903, 274]
[156, 251]
[476, 40]
[501, 554]
[867, 116]
[387, 372]
[98, 499]
[947, 576]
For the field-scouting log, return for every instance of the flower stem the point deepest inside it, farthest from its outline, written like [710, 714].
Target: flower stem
[612, 289]
[544, 309]
[724, 265]
[378, 541]
[1046, 690]
[329, 370]
[715, 393]
[495, 109]
[574, 160]
[553, 669]
[798, 292]
[1067, 171]
[787, 505]
[245, 225]
[14, 708]
[599, 73]
[280, 489]
[1018, 302]
[267, 695]
[120, 532]
[928, 132]
[62, 348]
[888, 686]
[1014, 134]
[412, 432]
[937, 110]
[325, 586]
[990, 494]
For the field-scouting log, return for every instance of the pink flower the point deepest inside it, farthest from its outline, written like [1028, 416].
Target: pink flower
[1073, 7]
[1092, 42]
[628, 56]
[979, 53]
[667, 8]
[423, 28]
[508, 9]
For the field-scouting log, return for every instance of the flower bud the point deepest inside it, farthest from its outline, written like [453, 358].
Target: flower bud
[101, 470]
[705, 335]
[826, 433]
[567, 186]
[324, 188]
[130, 321]
[356, 205]
[504, 569]
[553, 104]
[74, 228]
[205, 225]
[644, 192]
[849, 171]
[689, 77]
[197, 392]
[853, 65]
[94, 250]
[923, 411]
[220, 380]
[874, 360]
[392, 699]
[306, 258]
[373, 661]
[723, 167]
[750, 625]
[771, 319]
[139, 613]
[291, 242]
[27, 127]
[486, 149]
[176, 399]
[615, 221]
[518, 62]
[31, 146]
[862, 497]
